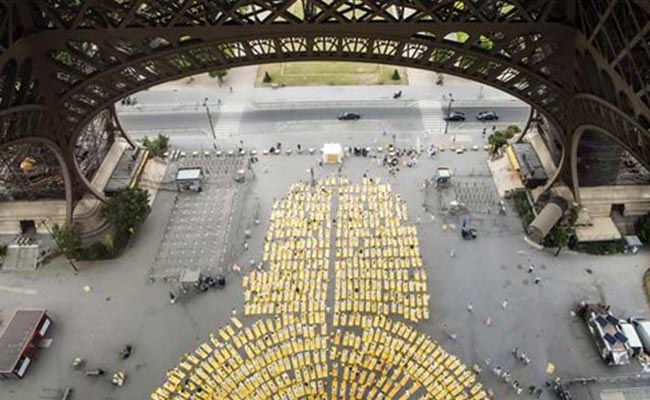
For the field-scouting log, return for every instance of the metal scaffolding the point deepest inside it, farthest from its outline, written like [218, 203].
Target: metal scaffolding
[584, 65]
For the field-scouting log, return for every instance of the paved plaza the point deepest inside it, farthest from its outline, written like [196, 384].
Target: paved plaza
[124, 306]
[196, 235]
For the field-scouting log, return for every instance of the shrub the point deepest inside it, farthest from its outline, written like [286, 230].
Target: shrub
[67, 238]
[267, 77]
[523, 208]
[108, 248]
[218, 73]
[601, 248]
[109, 243]
[95, 251]
[497, 140]
[511, 131]
[559, 235]
[395, 76]
[642, 227]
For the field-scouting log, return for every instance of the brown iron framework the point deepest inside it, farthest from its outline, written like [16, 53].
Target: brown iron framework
[581, 63]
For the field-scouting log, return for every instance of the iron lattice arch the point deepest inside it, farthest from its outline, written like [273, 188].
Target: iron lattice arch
[63, 62]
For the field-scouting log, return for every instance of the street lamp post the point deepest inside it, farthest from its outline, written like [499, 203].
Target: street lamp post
[383, 126]
[451, 100]
[385, 132]
[207, 110]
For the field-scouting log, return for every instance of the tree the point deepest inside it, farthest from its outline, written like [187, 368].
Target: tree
[68, 239]
[218, 73]
[267, 78]
[395, 76]
[643, 228]
[163, 143]
[156, 147]
[497, 140]
[127, 209]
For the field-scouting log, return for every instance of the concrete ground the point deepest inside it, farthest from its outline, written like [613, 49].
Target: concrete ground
[123, 306]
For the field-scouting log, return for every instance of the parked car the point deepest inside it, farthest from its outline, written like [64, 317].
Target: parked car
[455, 116]
[349, 116]
[487, 116]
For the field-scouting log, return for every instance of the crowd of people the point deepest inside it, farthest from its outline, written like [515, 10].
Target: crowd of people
[347, 346]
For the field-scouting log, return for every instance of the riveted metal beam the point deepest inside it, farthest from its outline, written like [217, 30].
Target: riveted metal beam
[63, 63]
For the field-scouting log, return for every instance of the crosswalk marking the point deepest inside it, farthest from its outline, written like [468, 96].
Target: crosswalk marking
[432, 117]
[227, 121]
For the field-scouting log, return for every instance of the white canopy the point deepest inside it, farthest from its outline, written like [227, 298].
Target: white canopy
[333, 153]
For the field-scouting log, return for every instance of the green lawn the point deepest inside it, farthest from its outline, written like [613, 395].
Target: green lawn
[318, 73]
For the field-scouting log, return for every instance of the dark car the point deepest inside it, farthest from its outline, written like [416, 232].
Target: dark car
[349, 116]
[455, 116]
[487, 116]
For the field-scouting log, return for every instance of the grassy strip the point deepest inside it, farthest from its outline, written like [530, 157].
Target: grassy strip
[317, 73]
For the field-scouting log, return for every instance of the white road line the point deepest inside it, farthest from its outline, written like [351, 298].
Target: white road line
[432, 118]
[31, 292]
[227, 124]
[282, 104]
[139, 133]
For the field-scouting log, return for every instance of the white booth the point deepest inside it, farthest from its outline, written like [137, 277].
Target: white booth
[333, 153]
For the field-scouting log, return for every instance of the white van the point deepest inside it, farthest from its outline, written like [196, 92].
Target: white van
[634, 344]
[642, 327]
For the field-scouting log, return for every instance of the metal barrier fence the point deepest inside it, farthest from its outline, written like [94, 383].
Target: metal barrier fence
[245, 212]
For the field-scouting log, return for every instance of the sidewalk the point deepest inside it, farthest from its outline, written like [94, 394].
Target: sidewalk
[245, 94]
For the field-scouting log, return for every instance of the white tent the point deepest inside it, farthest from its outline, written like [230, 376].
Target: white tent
[333, 153]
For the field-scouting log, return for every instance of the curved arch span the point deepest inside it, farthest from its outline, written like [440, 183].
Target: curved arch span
[575, 143]
[82, 103]
[587, 109]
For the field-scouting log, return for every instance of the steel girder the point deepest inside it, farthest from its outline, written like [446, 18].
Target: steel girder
[34, 168]
[64, 61]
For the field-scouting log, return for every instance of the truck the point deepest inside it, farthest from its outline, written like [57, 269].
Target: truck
[605, 329]
[443, 177]
[189, 178]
